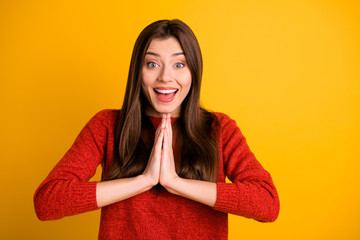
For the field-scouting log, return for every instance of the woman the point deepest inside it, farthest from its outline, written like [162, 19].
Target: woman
[164, 158]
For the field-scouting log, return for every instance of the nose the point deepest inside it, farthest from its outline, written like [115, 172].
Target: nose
[166, 74]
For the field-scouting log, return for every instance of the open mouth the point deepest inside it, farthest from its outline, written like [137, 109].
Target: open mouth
[165, 95]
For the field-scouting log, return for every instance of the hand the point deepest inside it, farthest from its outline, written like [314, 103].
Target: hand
[167, 164]
[152, 171]
[161, 168]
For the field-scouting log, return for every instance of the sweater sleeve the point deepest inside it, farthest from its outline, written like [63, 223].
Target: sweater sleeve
[66, 190]
[251, 192]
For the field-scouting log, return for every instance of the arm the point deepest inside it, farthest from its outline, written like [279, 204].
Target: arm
[200, 191]
[67, 190]
[116, 190]
[252, 193]
[113, 191]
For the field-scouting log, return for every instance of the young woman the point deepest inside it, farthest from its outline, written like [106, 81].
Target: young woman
[164, 158]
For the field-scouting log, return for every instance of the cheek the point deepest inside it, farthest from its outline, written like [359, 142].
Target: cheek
[145, 87]
[145, 81]
[148, 79]
[186, 82]
[146, 91]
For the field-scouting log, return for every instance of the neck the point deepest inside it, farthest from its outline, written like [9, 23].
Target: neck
[151, 112]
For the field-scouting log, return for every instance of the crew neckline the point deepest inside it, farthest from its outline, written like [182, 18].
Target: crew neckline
[157, 120]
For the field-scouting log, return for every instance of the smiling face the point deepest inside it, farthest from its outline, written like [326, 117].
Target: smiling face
[166, 78]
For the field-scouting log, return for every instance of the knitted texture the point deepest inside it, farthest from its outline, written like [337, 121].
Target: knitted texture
[157, 215]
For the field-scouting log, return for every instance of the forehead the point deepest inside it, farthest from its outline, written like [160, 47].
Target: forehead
[168, 45]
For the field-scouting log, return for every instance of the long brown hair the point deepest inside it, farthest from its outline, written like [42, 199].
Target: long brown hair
[196, 140]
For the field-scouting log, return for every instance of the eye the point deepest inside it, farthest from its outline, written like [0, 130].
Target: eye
[179, 65]
[152, 64]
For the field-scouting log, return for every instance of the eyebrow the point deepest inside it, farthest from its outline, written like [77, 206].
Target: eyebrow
[157, 55]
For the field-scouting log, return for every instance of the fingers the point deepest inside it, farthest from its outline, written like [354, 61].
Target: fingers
[161, 126]
[167, 143]
[164, 127]
[161, 155]
[166, 155]
[159, 141]
[169, 130]
[167, 168]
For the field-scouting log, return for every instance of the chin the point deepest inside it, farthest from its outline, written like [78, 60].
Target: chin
[164, 110]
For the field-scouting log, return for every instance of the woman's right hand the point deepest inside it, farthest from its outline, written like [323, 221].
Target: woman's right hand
[110, 192]
[152, 171]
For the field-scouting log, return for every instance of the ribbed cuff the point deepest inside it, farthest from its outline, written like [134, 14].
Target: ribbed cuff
[84, 197]
[225, 200]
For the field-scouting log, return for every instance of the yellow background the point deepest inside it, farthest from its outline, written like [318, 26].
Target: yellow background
[287, 71]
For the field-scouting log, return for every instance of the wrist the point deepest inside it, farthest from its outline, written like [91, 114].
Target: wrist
[171, 184]
[147, 181]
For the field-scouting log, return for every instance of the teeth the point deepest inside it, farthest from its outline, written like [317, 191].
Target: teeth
[165, 91]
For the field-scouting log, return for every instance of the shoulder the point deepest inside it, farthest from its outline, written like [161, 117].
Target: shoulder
[106, 117]
[221, 116]
[224, 120]
[227, 126]
[107, 114]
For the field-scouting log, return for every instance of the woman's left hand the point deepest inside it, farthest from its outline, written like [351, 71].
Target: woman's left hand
[167, 167]
[197, 190]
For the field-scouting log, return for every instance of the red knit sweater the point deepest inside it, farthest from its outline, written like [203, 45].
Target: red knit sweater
[67, 191]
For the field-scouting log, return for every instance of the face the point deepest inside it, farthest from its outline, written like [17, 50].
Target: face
[166, 77]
